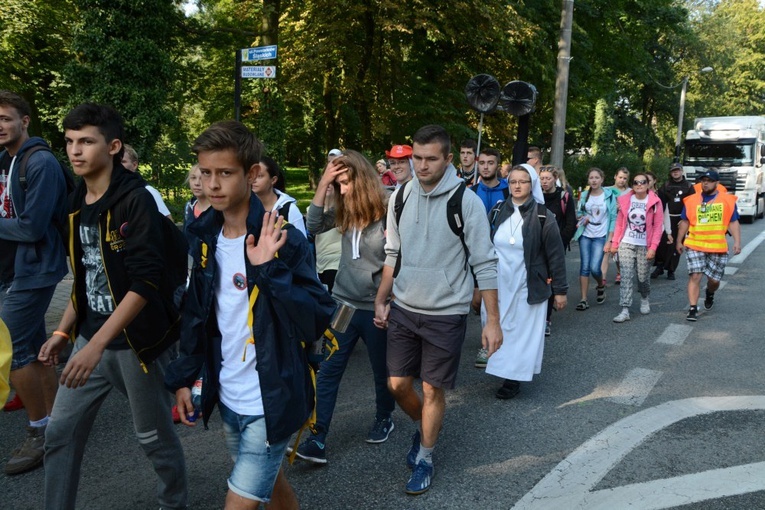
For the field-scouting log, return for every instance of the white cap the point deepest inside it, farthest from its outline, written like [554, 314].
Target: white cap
[335, 152]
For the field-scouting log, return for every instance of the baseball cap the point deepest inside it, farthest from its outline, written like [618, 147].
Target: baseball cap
[711, 175]
[399, 151]
[335, 152]
[675, 166]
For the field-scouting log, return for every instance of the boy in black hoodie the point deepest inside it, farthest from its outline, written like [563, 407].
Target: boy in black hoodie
[120, 308]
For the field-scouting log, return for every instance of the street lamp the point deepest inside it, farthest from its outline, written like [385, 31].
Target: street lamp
[682, 111]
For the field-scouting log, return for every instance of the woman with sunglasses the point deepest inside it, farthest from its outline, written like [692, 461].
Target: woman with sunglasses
[639, 226]
[597, 217]
[530, 268]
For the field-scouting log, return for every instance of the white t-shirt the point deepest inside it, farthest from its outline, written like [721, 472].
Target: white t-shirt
[597, 213]
[158, 199]
[239, 381]
[635, 231]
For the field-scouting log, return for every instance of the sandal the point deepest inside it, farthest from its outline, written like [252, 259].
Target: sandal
[583, 305]
[601, 294]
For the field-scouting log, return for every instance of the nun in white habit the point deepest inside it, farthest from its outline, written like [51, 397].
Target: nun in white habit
[531, 267]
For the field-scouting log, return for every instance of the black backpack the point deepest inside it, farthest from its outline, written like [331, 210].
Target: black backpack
[453, 216]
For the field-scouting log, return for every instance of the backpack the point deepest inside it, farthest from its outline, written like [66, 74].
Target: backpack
[68, 177]
[453, 216]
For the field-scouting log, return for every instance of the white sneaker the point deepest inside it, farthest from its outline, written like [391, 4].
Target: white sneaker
[645, 306]
[623, 316]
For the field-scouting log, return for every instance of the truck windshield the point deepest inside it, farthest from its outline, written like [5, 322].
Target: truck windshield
[716, 154]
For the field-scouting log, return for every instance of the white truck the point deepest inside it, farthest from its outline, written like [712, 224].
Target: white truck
[735, 148]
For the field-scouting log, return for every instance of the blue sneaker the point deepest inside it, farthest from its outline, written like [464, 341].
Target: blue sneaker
[312, 450]
[421, 478]
[411, 457]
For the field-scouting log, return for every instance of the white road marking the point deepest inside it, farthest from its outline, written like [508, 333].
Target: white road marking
[635, 386]
[730, 270]
[570, 483]
[747, 250]
[723, 283]
[675, 334]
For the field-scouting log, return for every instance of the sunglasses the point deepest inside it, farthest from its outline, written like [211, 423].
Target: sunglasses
[639, 183]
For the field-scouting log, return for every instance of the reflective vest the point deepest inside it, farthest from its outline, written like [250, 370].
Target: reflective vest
[708, 222]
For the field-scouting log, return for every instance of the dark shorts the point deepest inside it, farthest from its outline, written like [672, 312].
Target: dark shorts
[23, 311]
[425, 346]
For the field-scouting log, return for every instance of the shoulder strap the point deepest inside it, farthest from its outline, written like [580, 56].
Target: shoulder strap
[455, 219]
[23, 164]
[398, 205]
[564, 201]
[542, 214]
[398, 209]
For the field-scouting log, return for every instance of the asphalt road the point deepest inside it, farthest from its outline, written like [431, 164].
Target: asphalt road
[654, 413]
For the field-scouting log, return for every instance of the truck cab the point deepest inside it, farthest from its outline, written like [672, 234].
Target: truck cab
[735, 148]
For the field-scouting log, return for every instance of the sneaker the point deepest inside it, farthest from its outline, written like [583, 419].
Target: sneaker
[14, 404]
[29, 455]
[670, 275]
[709, 302]
[645, 306]
[420, 480]
[411, 456]
[618, 279]
[313, 451]
[657, 272]
[548, 328]
[623, 316]
[380, 430]
[482, 358]
[693, 313]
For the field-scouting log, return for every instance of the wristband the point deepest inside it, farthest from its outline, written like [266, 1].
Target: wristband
[61, 333]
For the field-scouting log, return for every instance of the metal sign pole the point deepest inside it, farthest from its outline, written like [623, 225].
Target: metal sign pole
[238, 86]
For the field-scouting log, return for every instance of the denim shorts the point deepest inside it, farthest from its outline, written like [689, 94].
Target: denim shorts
[256, 462]
[23, 312]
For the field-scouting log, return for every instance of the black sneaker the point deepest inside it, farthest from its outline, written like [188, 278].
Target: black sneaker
[380, 430]
[693, 313]
[670, 275]
[657, 272]
[709, 302]
[313, 451]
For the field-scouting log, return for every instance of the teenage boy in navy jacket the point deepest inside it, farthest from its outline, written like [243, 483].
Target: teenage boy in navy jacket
[252, 302]
[121, 307]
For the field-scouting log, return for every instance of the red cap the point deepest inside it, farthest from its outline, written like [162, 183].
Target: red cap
[399, 151]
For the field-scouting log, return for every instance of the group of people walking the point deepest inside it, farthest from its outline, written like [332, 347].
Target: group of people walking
[416, 251]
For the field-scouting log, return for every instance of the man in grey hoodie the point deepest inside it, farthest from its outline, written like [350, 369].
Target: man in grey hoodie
[431, 293]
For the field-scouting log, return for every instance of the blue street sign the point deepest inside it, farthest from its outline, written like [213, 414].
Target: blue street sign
[259, 53]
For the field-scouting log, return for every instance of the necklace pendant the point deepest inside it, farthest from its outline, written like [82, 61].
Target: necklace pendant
[512, 240]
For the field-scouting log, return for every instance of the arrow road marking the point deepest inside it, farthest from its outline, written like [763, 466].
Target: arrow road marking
[569, 485]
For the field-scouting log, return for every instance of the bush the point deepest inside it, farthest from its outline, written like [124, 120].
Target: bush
[576, 166]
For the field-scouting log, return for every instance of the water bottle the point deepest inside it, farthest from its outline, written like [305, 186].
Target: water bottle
[196, 399]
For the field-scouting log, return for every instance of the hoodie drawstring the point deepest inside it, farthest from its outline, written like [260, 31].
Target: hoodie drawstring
[355, 242]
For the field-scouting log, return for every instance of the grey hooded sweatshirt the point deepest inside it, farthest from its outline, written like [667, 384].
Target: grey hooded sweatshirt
[433, 279]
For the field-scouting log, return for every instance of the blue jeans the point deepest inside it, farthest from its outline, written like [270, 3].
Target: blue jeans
[591, 254]
[256, 461]
[332, 369]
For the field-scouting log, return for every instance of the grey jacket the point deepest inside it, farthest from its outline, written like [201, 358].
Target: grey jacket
[433, 279]
[357, 279]
[543, 252]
